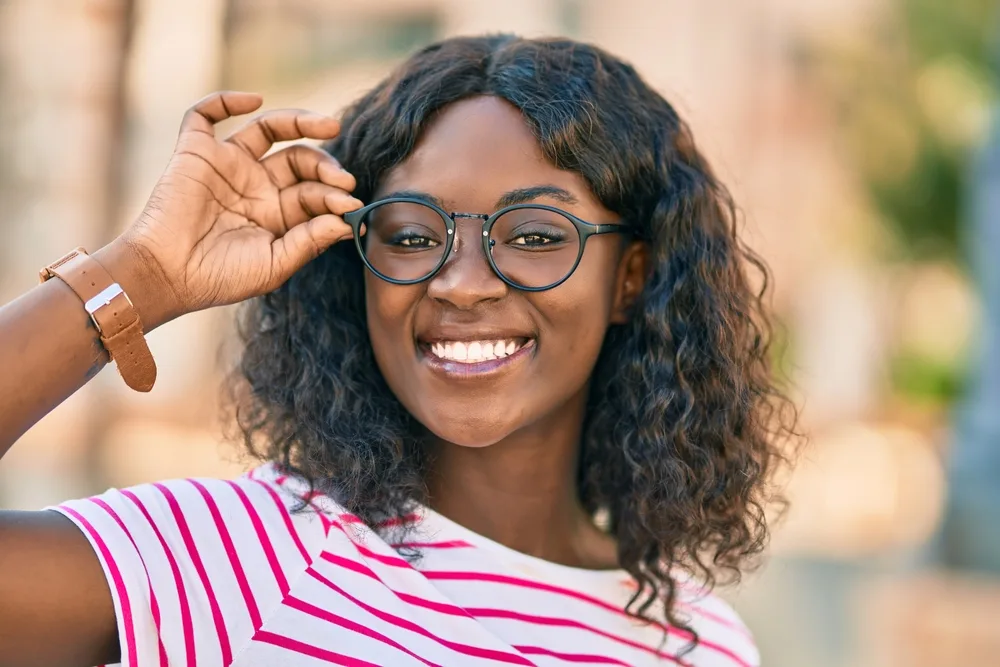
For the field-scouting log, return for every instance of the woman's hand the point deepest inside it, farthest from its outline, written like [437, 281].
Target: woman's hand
[225, 223]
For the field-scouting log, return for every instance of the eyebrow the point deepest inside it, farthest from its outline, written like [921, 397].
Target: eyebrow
[523, 195]
[518, 196]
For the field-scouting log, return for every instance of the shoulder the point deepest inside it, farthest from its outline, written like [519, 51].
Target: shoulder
[198, 562]
[721, 631]
[260, 503]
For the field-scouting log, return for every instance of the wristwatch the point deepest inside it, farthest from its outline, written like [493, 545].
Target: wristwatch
[112, 313]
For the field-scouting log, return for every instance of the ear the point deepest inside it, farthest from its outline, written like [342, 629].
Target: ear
[633, 269]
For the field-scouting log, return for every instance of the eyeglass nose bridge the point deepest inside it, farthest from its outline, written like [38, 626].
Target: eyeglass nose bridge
[467, 216]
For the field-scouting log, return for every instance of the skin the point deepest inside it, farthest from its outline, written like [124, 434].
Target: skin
[225, 224]
[505, 444]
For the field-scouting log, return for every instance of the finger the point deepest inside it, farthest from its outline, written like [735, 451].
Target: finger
[257, 136]
[217, 107]
[306, 163]
[304, 243]
[309, 199]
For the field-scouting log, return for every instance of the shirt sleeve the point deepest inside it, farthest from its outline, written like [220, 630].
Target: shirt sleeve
[195, 566]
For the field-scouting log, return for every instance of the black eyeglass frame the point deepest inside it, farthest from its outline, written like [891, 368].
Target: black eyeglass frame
[583, 228]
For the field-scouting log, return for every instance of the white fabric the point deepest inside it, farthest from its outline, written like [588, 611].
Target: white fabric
[210, 572]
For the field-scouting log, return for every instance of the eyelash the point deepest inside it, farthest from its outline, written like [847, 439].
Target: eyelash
[547, 237]
[405, 239]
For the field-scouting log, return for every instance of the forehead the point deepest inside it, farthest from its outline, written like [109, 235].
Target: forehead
[476, 150]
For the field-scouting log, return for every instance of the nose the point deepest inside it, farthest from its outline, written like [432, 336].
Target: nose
[466, 278]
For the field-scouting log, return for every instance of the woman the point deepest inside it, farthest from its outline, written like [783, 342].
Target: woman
[524, 418]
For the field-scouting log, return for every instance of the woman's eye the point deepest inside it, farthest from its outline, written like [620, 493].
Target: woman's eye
[535, 239]
[417, 242]
[531, 239]
[413, 240]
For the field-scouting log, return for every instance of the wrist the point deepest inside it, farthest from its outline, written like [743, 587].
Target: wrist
[139, 276]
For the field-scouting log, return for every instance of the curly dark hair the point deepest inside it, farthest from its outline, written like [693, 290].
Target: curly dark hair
[684, 421]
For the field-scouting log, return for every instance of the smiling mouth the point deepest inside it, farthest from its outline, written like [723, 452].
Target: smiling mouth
[475, 352]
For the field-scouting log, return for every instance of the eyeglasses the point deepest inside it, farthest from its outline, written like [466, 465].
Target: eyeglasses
[530, 247]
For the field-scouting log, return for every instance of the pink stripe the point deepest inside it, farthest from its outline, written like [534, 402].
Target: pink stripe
[442, 575]
[348, 518]
[220, 623]
[485, 612]
[385, 559]
[154, 606]
[697, 591]
[185, 608]
[558, 590]
[480, 612]
[352, 519]
[334, 619]
[312, 651]
[403, 564]
[449, 544]
[395, 561]
[349, 564]
[571, 657]
[263, 538]
[287, 518]
[720, 620]
[234, 560]
[116, 577]
[391, 561]
[405, 624]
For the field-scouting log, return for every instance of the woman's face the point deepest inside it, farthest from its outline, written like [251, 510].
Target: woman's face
[475, 154]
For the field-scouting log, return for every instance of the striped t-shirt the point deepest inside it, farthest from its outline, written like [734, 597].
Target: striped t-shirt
[210, 572]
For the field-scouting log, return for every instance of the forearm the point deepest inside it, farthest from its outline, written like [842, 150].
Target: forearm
[49, 347]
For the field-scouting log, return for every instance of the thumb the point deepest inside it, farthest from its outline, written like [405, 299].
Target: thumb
[303, 243]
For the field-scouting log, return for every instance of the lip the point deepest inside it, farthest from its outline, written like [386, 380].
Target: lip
[482, 369]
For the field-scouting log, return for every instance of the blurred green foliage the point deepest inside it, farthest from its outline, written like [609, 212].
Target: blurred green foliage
[913, 98]
[926, 381]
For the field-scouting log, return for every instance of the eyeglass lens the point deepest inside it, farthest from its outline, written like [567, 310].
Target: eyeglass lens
[531, 247]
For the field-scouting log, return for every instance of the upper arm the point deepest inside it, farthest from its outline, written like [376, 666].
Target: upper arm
[56, 607]
[162, 572]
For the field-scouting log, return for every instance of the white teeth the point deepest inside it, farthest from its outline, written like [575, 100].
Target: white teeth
[473, 352]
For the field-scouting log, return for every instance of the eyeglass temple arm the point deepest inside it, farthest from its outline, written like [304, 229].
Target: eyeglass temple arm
[613, 229]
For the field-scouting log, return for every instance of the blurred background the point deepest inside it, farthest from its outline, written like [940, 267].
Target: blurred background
[860, 138]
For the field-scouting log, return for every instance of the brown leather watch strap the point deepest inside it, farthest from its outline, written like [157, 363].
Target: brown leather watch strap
[112, 312]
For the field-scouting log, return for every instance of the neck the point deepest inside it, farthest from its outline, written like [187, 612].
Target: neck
[522, 491]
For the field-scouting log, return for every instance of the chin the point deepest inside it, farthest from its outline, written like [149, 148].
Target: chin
[468, 430]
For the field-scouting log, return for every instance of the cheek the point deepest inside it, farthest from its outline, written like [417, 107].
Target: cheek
[389, 312]
[575, 333]
[578, 312]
